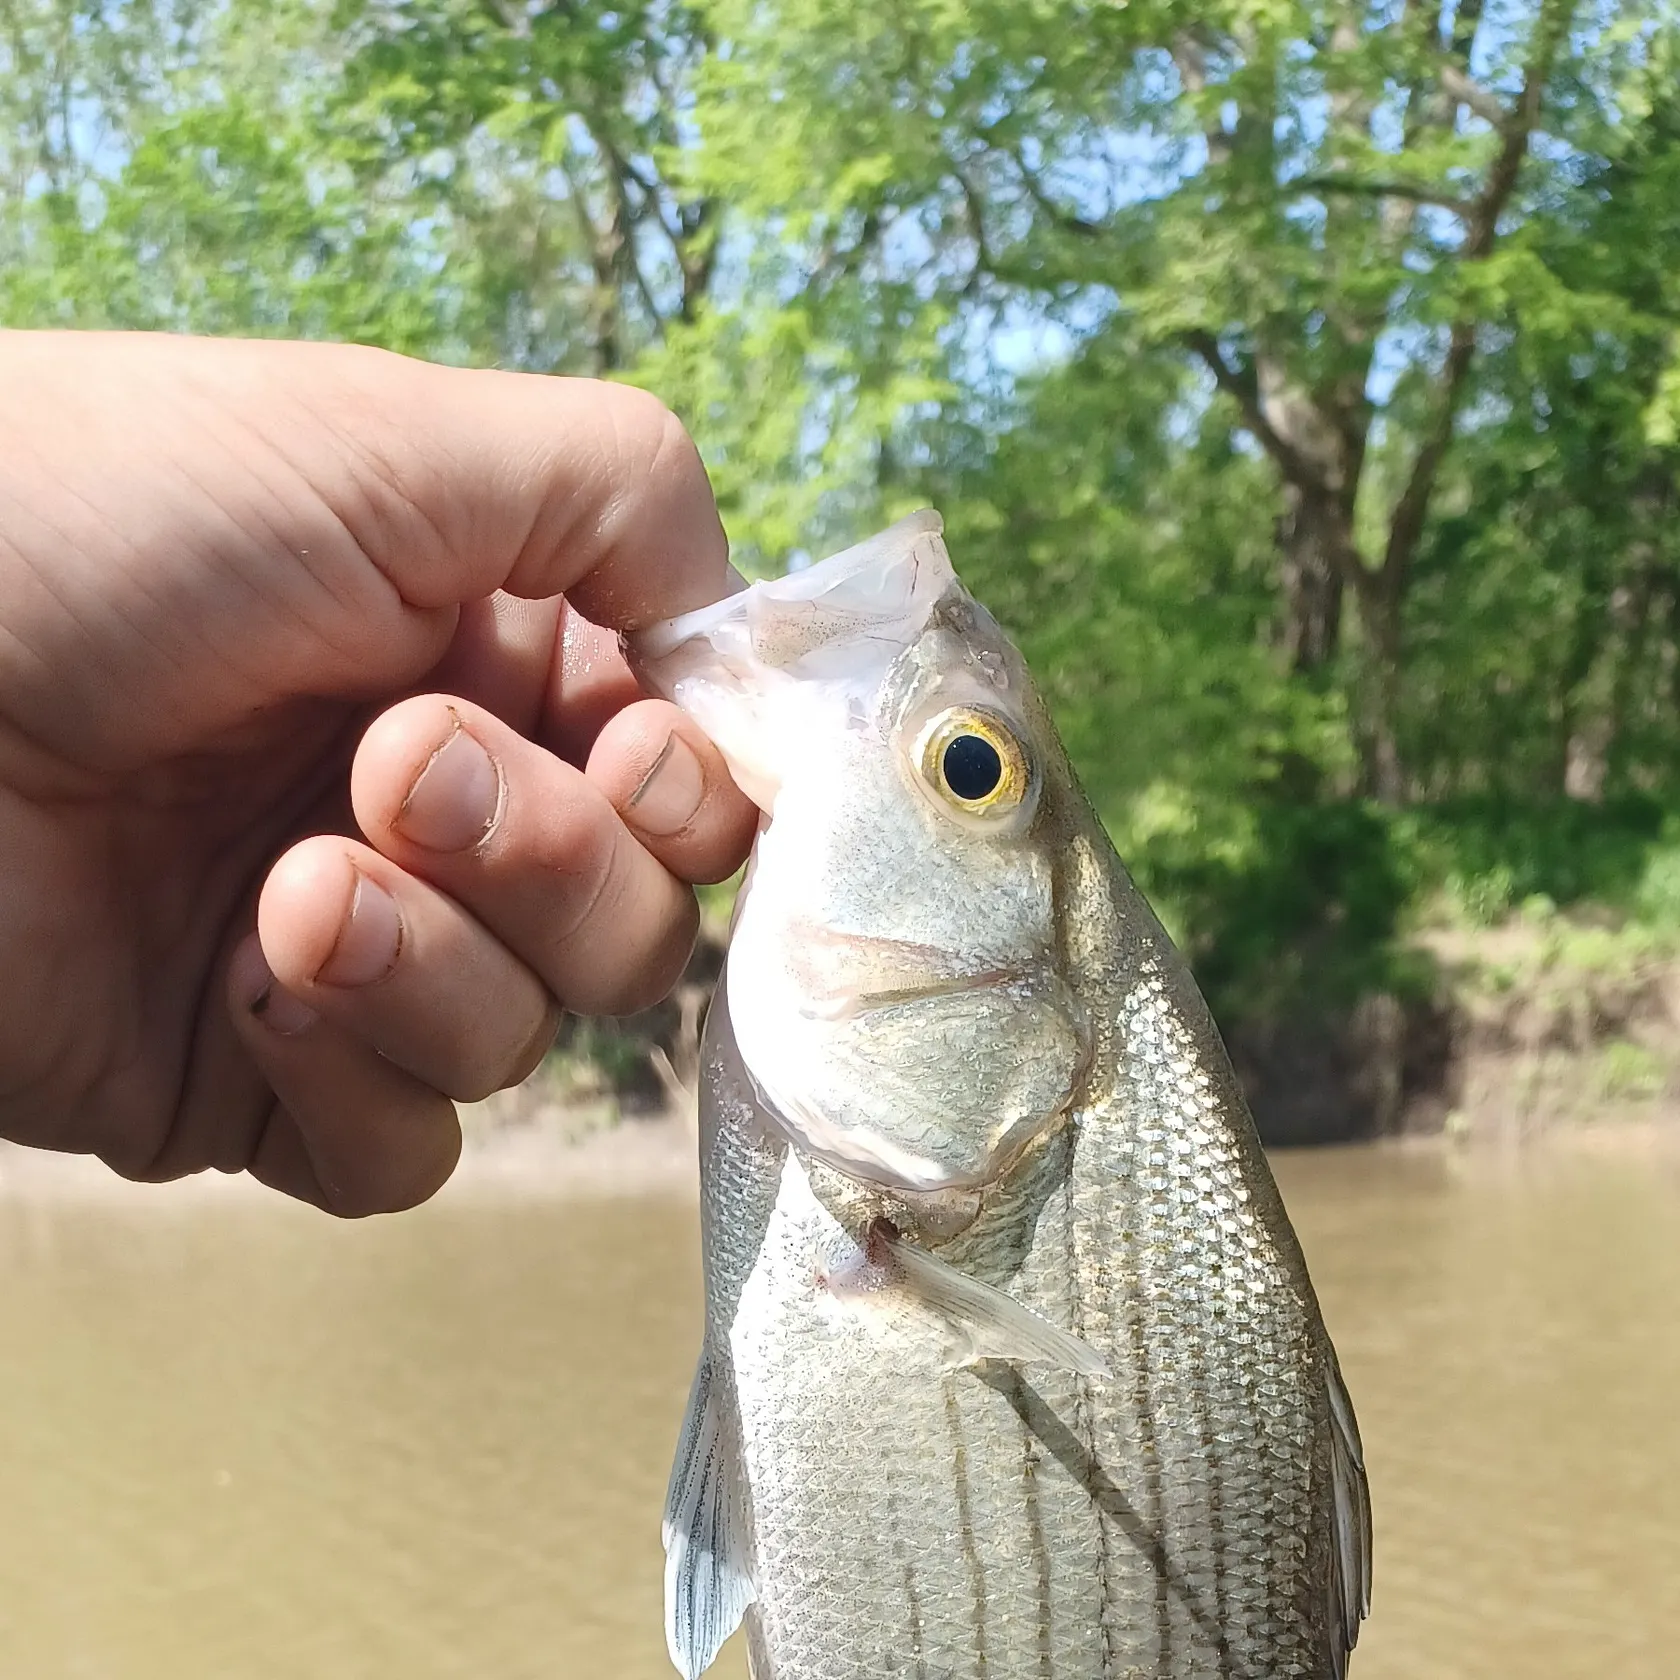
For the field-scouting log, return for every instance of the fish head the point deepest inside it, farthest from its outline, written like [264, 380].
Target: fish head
[894, 979]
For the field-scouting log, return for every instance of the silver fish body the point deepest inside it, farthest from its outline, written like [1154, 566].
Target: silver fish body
[886, 1468]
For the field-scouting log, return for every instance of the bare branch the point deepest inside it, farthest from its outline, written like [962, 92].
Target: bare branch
[1238, 381]
[1482, 100]
[1414, 192]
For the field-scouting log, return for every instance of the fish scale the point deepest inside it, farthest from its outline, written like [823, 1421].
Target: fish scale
[1012, 1367]
[1204, 1297]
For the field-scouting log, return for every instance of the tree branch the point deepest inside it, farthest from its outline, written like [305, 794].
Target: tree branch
[1406, 524]
[1414, 192]
[623, 258]
[834, 263]
[696, 253]
[974, 212]
[1064, 219]
[1238, 381]
[1487, 105]
[1189, 56]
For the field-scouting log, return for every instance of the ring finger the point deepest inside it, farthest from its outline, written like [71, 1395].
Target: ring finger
[391, 959]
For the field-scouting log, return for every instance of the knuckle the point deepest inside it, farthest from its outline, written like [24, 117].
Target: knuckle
[641, 977]
[397, 1185]
[645, 426]
[654, 444]
[583, 854]
[673, 447]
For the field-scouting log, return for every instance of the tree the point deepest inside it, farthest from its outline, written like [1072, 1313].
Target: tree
[546, 145]
[1340, 325]
[1327, 208]
[476, 183]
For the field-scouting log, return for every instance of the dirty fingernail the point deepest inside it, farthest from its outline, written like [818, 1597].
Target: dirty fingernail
[267, 1000]
[453, 801]
[282, 1013]
[369, 941]
[670, 793]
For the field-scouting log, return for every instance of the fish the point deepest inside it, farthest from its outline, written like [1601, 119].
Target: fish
[1011, 1364]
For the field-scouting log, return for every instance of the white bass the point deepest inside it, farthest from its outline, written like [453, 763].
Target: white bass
[1011, 1366]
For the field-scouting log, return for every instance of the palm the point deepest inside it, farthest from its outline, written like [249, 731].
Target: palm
[152, 873]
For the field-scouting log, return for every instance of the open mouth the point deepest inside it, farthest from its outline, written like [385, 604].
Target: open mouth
[892, 579]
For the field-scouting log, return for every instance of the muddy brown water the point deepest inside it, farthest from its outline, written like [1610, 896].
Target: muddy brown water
[239, 1441]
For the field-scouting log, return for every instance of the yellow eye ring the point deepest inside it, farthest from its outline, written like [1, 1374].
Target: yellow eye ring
[975, 763]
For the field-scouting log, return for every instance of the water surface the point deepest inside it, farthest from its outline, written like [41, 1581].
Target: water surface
[238, 1440]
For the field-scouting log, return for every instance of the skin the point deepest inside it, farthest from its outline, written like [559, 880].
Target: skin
[323, 787]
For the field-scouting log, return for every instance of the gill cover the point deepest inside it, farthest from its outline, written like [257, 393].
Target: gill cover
[894, 979]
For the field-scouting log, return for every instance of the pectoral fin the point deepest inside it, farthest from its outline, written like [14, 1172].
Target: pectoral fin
[980, 1322]
[708, 1566]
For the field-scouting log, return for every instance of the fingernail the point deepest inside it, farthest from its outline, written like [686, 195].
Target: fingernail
[670, 792]
[369, 941]
[266, 999]
[453, 801]
[282, 1013]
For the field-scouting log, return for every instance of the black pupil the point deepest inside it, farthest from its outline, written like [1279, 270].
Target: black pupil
[972, 767]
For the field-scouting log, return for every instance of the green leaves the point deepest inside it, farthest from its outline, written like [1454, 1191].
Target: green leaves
[1301, 385]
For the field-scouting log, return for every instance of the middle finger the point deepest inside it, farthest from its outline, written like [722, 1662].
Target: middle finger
[530, 846]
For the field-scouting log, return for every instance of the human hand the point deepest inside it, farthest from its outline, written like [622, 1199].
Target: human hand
[256, 599]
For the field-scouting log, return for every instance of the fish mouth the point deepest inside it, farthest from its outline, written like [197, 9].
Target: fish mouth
[877, 592]
[843, 975]
[857, 580]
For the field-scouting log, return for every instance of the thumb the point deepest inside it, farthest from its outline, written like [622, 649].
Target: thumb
[247, 520]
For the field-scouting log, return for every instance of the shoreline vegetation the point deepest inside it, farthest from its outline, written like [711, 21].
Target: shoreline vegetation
[1536, 1030]
[1381, 975]
[526, 1153]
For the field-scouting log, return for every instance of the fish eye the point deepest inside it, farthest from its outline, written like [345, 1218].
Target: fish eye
[972, 767]
[974, 762]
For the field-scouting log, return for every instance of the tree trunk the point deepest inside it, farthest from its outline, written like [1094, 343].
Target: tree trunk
[1312, 589]
[1383, 772]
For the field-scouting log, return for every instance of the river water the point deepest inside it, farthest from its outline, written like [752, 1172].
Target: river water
[239, 1441]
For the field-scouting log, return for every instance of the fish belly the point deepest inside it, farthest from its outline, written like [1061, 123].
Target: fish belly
[906, 1520]
[1004, 1521]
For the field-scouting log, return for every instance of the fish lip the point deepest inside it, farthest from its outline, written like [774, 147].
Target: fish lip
[656, 641]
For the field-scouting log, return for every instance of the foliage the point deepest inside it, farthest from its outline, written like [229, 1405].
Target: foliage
[1301, 382]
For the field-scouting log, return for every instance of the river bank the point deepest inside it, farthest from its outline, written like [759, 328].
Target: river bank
[1541, 1031]
[523, 1149]
[1542, 1022]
